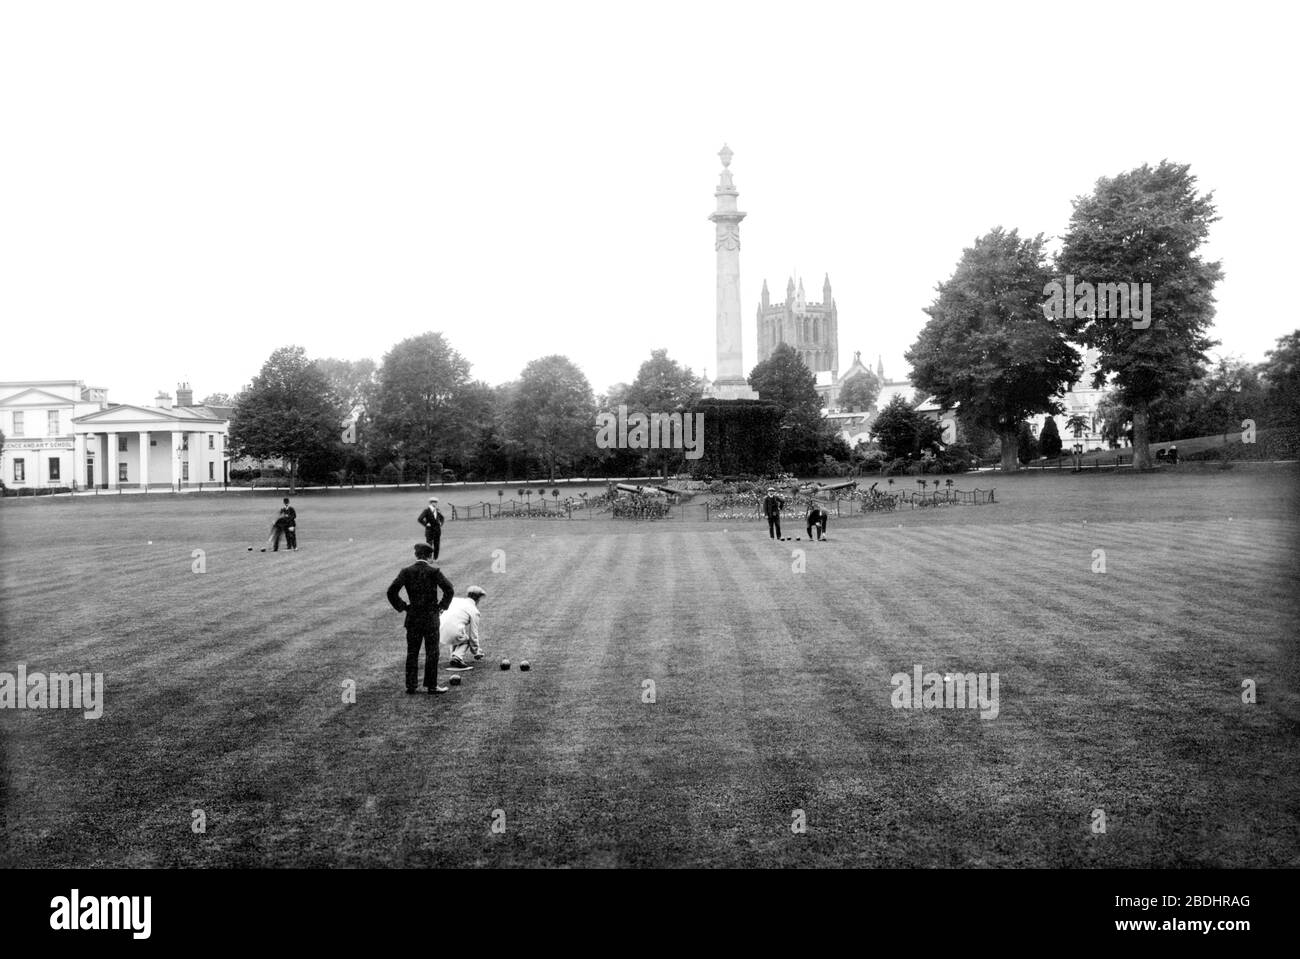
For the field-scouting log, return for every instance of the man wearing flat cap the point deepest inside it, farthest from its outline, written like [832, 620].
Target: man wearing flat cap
[422, 582]
[772, 506]
[431, 519]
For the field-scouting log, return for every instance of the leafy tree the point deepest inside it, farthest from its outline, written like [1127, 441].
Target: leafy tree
[662, 385]
[902, 432]
[1231, 391]
[859, 392]
[353, 381]
[1049, 440]
[288, 412]
[1145, 226]
[614, 397]
[218, 399]
[420, 381]
[1077, 425]
[1027, 449]
[554, 412]
[805, 434]
[989, 346]
[474, 410]
[1116, 419]
[1280, 373]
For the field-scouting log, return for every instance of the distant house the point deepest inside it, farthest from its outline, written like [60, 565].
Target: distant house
[41, 448]
[167, 444]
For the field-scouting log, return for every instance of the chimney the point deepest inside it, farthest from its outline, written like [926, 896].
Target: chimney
[184, 395]
[163, 401]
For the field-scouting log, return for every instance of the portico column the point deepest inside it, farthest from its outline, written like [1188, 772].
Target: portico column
[110, 461]
[176, 459]
[197, 442]
[144, 459]
[78, 459]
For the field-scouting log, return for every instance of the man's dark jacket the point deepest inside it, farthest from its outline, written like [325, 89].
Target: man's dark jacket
[772, 505]
[422, 582]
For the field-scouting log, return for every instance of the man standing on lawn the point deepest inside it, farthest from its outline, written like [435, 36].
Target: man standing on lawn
[431, 519]
[291, 528]
[459, 628]
[772, 506]
[422, 581]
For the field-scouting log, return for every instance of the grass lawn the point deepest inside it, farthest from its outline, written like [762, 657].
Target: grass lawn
[1119, 691]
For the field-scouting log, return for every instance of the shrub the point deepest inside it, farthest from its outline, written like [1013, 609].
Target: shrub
[390, 474]
[872, 461]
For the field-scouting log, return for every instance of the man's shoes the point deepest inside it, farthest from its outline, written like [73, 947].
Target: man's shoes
[458, 666]
[437, 690]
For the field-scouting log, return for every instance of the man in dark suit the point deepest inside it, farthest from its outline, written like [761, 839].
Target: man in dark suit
[772, 506]
[291, 528]
[816, 522]
[431, 519]
[421, 580]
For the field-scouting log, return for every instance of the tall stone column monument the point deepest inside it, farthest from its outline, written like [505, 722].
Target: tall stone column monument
[730, 376]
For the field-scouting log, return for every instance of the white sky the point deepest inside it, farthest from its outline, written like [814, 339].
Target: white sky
[185, 187]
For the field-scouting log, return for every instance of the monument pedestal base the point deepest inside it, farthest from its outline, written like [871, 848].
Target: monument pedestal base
[731, 390]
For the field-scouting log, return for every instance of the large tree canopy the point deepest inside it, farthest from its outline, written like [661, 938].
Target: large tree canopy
[353, 381]
[421, 380]
[662, 385]
[1280, 372]
[859, 392]
[784, 380]
[554, 412]
[902, 432]
[288, 412]
[1145, 226]
[989, 346]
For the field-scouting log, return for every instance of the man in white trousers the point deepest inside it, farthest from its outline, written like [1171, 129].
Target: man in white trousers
[459, 629]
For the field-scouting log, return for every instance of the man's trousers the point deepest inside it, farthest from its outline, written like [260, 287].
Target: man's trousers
[423, 633]
[774, 526]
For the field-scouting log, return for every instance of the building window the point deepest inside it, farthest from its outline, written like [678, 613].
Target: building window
[185, 472]
[153, 442]
[211, 467]
[121, 472]
[54, 469]
[211, 442]
[18, 423]
[185, 441]
[52, 422]
[20, 468]
[121, 443]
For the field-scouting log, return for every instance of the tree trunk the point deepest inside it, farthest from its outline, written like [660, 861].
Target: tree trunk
[1141, 440]
[1010, 450]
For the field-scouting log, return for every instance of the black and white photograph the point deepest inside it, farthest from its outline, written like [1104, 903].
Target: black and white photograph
[847, 438]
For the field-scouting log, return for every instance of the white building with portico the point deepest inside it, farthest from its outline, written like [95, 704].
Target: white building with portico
[162, 445]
